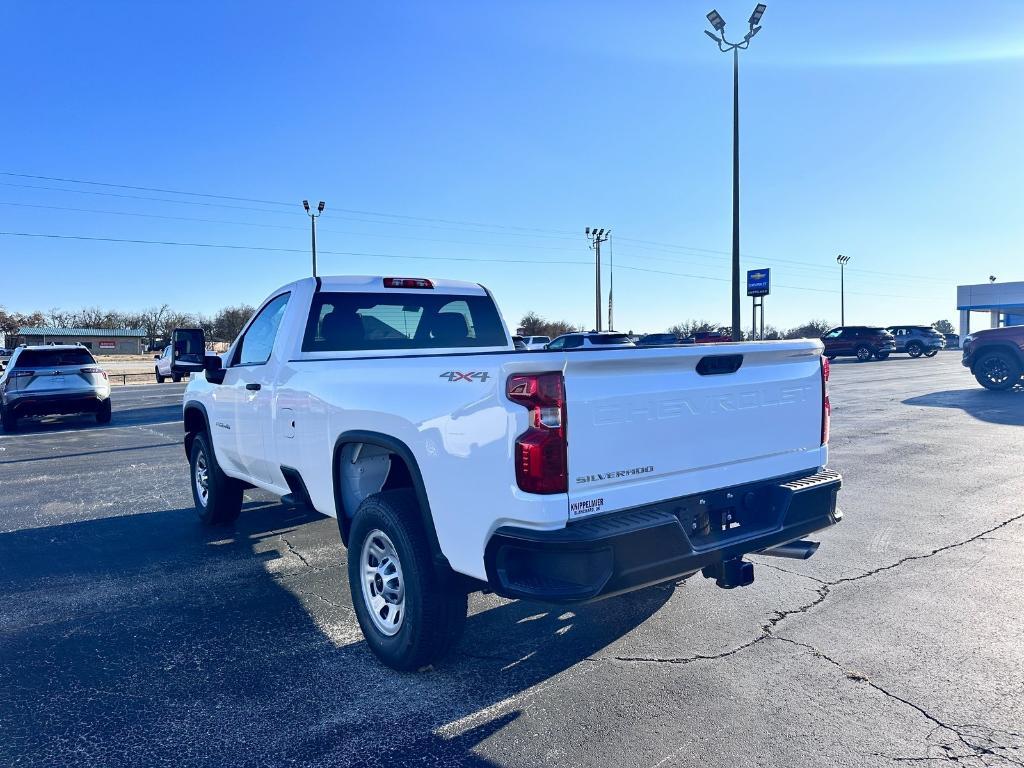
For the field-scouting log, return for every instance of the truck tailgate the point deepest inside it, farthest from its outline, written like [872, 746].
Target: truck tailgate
[646, 425]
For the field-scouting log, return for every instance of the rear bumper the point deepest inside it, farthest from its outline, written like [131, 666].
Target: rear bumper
[56, 403]
[623, 551]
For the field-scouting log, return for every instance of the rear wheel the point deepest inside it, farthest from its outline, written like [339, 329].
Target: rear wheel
[218, 498]
[9, 420]
[103, 414]
[176, 377]
[410, 612]
[863, 353]
[159, 378]
[998, 371]
[914, 349]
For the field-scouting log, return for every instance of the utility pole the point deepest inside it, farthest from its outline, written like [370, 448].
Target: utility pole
[597, 236]
[725, 46]
[611, 281]
[842, 260]
[312, 218]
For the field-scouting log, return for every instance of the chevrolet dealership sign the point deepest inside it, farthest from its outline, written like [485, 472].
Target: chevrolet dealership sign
[758, 282]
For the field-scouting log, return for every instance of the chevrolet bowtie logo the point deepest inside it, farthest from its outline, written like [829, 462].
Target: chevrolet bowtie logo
[759, 276]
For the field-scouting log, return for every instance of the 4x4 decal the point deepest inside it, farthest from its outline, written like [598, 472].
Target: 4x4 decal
[468, 376]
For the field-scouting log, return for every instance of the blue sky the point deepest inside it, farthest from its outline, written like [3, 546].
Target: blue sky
[476, 140]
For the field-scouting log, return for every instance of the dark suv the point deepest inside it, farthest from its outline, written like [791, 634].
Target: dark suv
[917, 340]
[860, 341]
[996, 356]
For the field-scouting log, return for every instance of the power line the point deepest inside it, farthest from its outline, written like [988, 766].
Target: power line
[474, 259]
[433, 221]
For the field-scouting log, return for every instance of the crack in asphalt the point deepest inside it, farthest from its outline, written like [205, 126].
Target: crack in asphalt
[978, 751]
[293, 551]
[823, 591]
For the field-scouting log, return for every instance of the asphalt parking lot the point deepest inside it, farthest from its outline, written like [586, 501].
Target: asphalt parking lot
[129, 636]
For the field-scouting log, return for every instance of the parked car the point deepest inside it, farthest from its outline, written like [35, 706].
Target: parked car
[519, 343]
[163, 367]
[536, 342]
[55, 379]
[658, 339]
[5, 356]
[860, 341]
[917, 340]
[952, 340]
[996, 356]
[398, 406]
[707, 337]
[590, 339]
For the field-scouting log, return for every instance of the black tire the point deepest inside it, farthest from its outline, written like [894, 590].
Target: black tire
[914, 349]
[223, 501]
[8, 419]
[103, 413]
[433, 612]
[882, 355]
[931, 353]
[863, 353]
[159, 378]
[176, 378]
[997, 371]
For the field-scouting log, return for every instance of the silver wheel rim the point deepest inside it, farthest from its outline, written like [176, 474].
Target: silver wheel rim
[382, 584]
[202, 478]
[863, 353]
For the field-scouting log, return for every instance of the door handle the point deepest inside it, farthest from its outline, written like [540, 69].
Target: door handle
[254, 387]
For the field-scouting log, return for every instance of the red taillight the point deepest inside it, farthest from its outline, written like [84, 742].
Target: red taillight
[95, 369]
[540, 452]
[826, 406]
[407, 282]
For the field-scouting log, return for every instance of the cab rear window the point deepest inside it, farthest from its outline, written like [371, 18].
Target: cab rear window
[53, 358]
[347, 322]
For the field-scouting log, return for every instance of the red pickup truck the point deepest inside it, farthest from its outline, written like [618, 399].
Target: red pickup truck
[996, 356]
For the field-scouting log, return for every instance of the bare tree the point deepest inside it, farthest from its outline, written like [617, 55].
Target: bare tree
[228, 323]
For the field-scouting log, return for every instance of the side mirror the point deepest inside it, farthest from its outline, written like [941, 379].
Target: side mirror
[214, 367]
[188, 350]
[156, 357]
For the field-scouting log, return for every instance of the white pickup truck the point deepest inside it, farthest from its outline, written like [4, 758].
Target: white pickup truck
[455, 463]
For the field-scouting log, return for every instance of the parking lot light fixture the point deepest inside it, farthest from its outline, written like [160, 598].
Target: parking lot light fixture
[842, 261]
[312, 218]
[716, 21]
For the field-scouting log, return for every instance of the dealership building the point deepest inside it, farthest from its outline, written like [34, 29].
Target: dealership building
[1002, 302]
[101, 341]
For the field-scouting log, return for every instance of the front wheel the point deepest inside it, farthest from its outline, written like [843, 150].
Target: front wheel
[863, 353]
[103, 413]
[914, 349]
[218, 498]
[159, 378]
[998, 371]
[410, 612]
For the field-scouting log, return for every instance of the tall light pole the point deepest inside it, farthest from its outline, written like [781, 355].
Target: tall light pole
[725, 46]
[842, 261]
[312, 218]
[596, 237]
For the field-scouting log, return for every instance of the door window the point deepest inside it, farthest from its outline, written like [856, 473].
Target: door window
[557, 344]
[258, 342]
[834, 334]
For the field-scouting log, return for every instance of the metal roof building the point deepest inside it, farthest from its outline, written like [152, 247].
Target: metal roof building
[100, 341]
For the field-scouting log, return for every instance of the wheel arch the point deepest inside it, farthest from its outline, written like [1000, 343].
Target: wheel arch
[196, 420]
[402, 451]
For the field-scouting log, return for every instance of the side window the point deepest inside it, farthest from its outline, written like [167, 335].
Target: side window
[574, 341]
[557, 344]
[258, 341]
[834, 334]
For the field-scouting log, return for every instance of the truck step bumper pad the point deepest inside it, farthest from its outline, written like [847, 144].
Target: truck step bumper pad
[626, 550]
